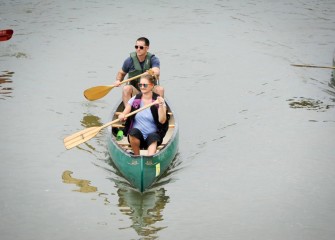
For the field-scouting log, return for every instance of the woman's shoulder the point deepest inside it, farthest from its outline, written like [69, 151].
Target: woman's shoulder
[131, 100]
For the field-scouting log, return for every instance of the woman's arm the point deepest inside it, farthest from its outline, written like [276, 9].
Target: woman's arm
[161, 110]
[125, 112]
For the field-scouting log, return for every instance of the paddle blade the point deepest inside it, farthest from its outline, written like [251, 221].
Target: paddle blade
[6, 34]
[80, 137]
[98, 92]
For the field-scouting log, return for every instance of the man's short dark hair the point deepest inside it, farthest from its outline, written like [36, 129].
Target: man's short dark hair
[145, 40]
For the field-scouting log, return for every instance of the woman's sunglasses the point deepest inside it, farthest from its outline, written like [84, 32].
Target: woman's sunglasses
[144, 85]
[141, 47]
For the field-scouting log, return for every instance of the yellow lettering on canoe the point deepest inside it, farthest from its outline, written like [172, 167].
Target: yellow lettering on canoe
[158, 169]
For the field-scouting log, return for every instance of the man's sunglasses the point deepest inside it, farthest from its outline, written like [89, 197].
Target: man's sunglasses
[141, 47]
[144, 85]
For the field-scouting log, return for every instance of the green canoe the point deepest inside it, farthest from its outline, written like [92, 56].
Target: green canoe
[142, 171]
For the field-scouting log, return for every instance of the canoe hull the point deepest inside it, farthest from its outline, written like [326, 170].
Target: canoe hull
[142, 171]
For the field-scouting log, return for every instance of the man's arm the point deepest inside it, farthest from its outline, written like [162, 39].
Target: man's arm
[156, 71]
[155, 66]
[119, 77]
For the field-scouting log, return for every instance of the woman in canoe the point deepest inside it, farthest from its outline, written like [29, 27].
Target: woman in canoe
[147, 128]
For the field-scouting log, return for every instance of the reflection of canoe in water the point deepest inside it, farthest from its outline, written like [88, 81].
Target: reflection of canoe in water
[144, 209]
[142, 170]
[6, 34]
[334, 65]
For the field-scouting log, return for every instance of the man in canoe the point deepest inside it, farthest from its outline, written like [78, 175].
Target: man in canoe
[137, 63]
[146, 129]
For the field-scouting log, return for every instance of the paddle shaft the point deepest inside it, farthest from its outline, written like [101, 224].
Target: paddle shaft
[133, 78]
[98, 92]
[311, 66]
[86, 134]
[129, 79]
[136, 111]
[129, 114]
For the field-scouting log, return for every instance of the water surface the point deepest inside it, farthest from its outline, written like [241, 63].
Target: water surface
[256, 157]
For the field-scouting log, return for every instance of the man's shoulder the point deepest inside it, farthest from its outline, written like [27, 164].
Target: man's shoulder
[127, 64]
[128, 59]
[155, 61]
[152, 55]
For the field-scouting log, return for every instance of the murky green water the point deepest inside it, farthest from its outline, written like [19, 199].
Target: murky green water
[256, 158]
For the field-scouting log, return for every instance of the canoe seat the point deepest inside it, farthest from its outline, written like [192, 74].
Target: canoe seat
[128, 147]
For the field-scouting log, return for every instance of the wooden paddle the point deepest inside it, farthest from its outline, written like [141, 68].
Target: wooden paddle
[98, 92]
[311, 66]
[6, 34]
[88, 133]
